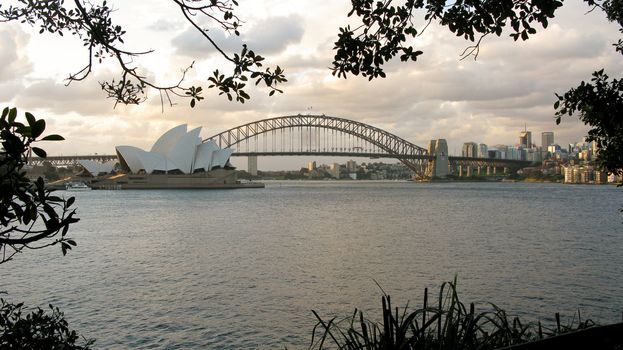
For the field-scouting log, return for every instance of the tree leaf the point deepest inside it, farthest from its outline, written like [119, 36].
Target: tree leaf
[37, 128]
[30, 119]
[12, 114]
[39, 152]
[53, 137]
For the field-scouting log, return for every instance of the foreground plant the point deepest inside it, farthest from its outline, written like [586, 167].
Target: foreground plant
[31, 217]
[448, 324]
[37, 330]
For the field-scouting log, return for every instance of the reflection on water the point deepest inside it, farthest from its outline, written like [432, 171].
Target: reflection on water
[242, 269]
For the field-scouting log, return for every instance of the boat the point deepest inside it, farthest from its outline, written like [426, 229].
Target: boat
[77, 186]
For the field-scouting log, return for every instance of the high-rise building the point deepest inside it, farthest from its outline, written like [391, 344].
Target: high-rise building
[470, 149]
[483, 151]
[525, 139]
[547, 139]
[512, 153]
[431, 147]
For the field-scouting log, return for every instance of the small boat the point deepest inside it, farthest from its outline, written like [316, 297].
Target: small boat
[77, 186]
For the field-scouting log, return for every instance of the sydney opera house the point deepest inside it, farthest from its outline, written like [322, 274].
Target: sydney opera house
[175, 152]
[178, 159]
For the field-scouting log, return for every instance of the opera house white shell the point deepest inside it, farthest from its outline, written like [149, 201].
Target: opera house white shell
[177, 151]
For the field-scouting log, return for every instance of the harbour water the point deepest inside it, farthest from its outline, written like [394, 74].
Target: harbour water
[242, 269]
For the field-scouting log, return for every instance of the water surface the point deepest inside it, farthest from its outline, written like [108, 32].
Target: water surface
[236, 269]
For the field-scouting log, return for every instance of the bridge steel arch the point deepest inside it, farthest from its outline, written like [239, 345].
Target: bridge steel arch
[413, 156]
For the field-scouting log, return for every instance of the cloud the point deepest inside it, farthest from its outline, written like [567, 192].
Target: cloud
[14, 62]
[165, 25]
[267, 36]
[85, 97]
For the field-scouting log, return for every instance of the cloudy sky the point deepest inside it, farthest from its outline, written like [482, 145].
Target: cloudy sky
[512, 84]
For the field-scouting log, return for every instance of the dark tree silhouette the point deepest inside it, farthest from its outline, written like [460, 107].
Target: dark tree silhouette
[37, 330]
[31, 217]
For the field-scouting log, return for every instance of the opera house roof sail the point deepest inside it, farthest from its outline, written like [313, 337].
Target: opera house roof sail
[177, 151]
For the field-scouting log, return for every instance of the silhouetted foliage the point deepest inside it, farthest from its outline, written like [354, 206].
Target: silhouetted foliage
[385, 28]
[31, 217]
[600, 105]
[91, 23]
[37, 330]
[444, 323]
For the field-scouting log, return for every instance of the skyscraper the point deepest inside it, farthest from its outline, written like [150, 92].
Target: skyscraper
[525, 139]
[470, 149]
[431, 147]
[483, 151]
[547, 139]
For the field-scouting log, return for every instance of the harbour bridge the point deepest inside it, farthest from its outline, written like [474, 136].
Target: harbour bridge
[320, 135]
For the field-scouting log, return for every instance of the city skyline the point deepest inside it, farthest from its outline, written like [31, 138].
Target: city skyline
[440, 96]
[267, 163]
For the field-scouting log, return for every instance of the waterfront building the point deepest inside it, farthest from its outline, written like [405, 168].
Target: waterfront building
[177, 151]
[334, 170]
[351, 166]
[577, 175]
[311, 166]
[569, 174]
[601, 176]
[178, 159]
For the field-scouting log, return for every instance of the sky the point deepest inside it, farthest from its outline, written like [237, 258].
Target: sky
[489, 100]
